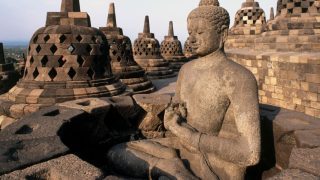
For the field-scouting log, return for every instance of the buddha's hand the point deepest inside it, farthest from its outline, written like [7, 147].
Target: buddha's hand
[172, 116]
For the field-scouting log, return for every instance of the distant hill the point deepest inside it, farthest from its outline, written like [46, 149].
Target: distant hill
[15, 44]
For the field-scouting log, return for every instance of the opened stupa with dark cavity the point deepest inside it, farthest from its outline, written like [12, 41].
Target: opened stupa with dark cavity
[122, 61]
[67, 59]
[294, 28]
[171, 50]
[146, 51]
[8, 75]
[250, 21]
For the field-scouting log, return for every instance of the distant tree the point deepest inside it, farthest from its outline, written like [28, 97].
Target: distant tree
[11, 60]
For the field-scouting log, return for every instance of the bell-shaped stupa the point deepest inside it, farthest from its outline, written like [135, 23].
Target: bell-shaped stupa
[294, 28]
[250, 21]
[146, 51]
[67, 59]
[171, 50]
[122, 61]
[8, 75]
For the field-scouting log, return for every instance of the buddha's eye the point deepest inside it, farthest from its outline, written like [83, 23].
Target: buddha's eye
[201, 32]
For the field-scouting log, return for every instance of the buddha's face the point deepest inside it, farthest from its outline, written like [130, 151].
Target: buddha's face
[203, 37]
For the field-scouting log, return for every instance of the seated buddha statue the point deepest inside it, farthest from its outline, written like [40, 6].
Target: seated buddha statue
[210, 90]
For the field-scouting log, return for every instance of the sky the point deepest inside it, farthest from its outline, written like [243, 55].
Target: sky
[21, 18]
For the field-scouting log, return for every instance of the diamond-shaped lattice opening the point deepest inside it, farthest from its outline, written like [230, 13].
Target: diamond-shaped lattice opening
[44, 61]
[35, 39]
[46, 38]
[61, 61]
[31, 61]
[53, 48]
[38, 48]
[35, 73]
[80, 61]
[118, 58]
[89, 48]
[62, 38]
[79, 38]
[114, 52]
[90, 73]
[52, 73]
[71, 73]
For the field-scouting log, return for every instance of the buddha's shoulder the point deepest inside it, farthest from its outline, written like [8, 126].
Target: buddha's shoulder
[238, 72]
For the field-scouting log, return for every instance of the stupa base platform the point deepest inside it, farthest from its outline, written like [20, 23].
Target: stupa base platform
[49, 93]
[156, 68]
[134, 77]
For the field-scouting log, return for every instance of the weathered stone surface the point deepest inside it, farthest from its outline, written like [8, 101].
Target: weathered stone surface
[308, 138]
[5, 121]
[284, 126]
[154, 106]
[307, 160]
[35, 138]
[94, 106]
[68, 167]
[293, 174]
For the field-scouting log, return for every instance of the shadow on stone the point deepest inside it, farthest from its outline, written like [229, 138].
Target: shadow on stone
[268, 159]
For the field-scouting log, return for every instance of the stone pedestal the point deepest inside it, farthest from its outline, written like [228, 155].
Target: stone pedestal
[146, 51]
[122, 62]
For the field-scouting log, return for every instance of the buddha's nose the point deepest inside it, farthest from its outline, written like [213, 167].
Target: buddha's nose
[192, 39]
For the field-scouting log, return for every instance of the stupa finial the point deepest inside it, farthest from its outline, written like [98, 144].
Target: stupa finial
[170, 31]
[112, 22]
[146, 28]
[271, 14]
[2, 60]
[70, 6]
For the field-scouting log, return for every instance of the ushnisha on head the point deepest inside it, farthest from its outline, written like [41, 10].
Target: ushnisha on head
[208, 27]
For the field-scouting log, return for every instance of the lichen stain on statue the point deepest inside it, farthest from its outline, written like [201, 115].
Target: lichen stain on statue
[211, 91]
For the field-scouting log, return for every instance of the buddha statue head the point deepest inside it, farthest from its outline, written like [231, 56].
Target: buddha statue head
[208, 27]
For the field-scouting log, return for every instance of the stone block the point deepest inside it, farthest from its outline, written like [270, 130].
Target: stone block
[293, 174]
[65, 167]
[284, 126]
[307, 138]
[154, 107]
[35, 138]
[94, 106]
[307, 160]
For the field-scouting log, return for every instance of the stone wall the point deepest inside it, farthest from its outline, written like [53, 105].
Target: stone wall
[289, 80]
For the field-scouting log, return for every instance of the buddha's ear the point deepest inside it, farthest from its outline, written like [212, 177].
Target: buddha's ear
[224, 32]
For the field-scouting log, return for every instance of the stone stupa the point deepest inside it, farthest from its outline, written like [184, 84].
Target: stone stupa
[250, 21]
[122, 61]
[294, 28]
[67, 59]
[171, 50]
[8, 75]
[187, 50]
[146, 51]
